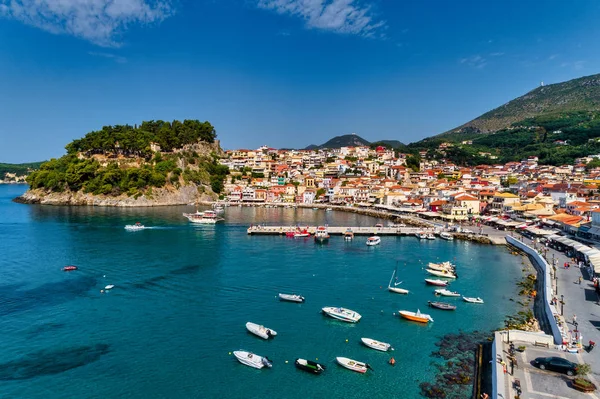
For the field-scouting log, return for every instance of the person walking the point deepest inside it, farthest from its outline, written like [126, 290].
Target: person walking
[574, 318]
[580, 278]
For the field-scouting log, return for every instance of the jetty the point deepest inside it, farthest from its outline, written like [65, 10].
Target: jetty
[340, 230]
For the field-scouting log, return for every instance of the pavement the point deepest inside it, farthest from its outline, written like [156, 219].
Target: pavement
[580, 300]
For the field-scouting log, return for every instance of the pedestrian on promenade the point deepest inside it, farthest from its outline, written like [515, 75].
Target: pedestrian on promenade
[574, 318]
[580, 278]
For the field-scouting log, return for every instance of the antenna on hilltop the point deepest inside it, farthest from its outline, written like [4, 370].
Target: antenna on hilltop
[542, 83]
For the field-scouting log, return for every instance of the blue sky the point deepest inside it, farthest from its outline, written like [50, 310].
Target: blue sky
[285, 73]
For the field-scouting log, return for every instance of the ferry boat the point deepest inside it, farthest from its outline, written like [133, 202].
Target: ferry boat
[321, 235]
[373, 240]
[342, 314]
[206, 217]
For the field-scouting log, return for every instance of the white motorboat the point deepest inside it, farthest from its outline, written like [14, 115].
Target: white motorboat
[373, 240]
[252, 360]
[430, 236]
[394, 288]
[440, 283]
[446, 236]
[109, 287]
[206, 217]
[352, 364]
[377, 345]
[135, 227]
[444, 266]
[261, 331]
[328, 210]
[421, 236]
[472, 300]
[291, 297]
[444, 273]
[342, 314]
[445, 292]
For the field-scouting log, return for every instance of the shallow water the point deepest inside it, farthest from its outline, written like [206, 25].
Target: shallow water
[183, 294]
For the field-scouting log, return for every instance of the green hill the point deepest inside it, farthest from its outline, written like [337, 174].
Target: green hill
[582, 94]
[19, 169]
[353, 140]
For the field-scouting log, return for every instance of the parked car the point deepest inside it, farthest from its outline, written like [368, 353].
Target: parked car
[467, 231]
[556, 364]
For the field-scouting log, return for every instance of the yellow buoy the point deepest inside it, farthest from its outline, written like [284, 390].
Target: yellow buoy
[286, 361]
[346, 340]
[230, 353]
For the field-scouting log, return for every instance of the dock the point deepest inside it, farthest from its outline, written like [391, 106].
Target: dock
[340, 230]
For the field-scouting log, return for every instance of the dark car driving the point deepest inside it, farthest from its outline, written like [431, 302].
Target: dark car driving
[556, 364]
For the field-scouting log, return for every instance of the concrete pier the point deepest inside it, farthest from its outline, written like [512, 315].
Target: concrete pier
[338, 230]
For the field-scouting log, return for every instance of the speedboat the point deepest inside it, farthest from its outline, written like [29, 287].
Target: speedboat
[291, 297]
[206, 217]
[430, 236]
[348, 235]
[109, 287]
[261, 331]
[441, 305]
[373, 240]
[135, 227]
[444, 273]
[472, 300]
[421, 236]
[352, 364]
[69, 268]
[440, 283]
[442, 267]
[342, 314]
[446, 236]
[321, 235]
[418, 316]
[445, 292]
[310, 366]
[301, 233]
[377, 345]
[252, 360]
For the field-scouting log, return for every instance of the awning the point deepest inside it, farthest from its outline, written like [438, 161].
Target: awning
[594, 231]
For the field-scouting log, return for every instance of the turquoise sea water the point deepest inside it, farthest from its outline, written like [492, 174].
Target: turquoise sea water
[183, 294]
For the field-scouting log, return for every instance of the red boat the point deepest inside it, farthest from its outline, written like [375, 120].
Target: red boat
[69, 268]
[440, 283]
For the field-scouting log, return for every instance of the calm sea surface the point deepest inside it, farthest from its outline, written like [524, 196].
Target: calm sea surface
[183, 294]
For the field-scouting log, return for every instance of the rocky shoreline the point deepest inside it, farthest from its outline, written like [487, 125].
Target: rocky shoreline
[167, 196]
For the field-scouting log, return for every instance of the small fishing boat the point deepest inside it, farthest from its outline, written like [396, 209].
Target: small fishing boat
[69, 268]
[444, 273]
[441, 305]
[352, 364]
[301, 233]
[394, 288]
[321, 235]
[310, 366]
[291, 297]
[135, 227]
[472, 300]
[430, 236]
[440, 283]
[109, 287]
[373, 240]
[261, 331]
[418, 316]
[421, 236]
[342, 314]
[377, 345]
[445, 292]
[252, 360]
[348, 235]
[446, 236]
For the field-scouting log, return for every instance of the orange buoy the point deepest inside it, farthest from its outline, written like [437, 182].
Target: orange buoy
[392, 361]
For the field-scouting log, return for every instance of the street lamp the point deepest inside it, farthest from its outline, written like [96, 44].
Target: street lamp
[562, 304]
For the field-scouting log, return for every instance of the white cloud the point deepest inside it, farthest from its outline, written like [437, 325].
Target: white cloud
[341, 16]
[474, 61]
[99, 21]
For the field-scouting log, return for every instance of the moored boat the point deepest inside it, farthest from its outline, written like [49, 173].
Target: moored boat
[443, 273]
[441, 305]
[321, 235]
[342, 314]
[446, 236]
[348, 235]
[394, 288]
[301, 233]
[252, 360]
[373, 240]
[109, 287]
[377, 345]
[440, 283]
[445, 292]
[69, 268]
[444, 266]
[422, 236]
[260, 331]
[310, 366]
[430, 236]
[352, 364]
[418, 316]
[206, 217]
[472, 300]
[291, 297]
